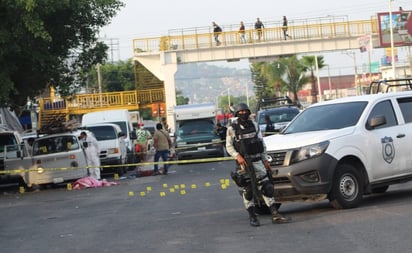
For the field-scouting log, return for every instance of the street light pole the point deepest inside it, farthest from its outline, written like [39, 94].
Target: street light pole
[330, 83]
[392, 46]
[318, 80]
[247, 95]
[228, 97]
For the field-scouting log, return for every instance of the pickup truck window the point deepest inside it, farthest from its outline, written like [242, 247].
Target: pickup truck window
[384, 108]
[325, 117]
[406, 107]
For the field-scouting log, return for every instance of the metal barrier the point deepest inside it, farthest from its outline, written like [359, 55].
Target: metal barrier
[200, 38]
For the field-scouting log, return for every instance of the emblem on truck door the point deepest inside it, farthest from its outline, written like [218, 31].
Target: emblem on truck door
[388, 150]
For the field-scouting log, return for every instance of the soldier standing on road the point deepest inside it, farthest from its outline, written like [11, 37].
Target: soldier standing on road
[245, 140]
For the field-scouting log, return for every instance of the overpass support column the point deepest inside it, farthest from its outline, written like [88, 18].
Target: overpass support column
[169, 69]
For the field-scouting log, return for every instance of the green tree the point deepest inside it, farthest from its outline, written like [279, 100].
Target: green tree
[180, 99]
[260, 80]
[45, 42]
[310, 63]
[115, 76]
[291, 75]
[287, 74]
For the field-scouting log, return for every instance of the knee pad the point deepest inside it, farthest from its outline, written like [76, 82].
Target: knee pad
[247, 193]
[268, 189]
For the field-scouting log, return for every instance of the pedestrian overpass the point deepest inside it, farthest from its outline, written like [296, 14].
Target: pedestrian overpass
[161, 55]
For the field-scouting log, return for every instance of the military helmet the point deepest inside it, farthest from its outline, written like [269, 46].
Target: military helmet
[240, 107]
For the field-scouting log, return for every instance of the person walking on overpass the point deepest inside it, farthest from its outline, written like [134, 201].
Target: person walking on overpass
[242, 32]
[285, 28]
[216, 33]
[259, 28]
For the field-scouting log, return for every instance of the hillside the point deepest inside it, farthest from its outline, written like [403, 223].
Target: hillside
[203, 82]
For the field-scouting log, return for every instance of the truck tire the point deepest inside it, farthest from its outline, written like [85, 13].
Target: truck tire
[347, 187]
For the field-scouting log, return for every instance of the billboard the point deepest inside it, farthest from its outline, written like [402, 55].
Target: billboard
[401, 28]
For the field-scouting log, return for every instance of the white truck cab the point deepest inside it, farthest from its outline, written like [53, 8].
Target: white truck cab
[111, 141]
[344, 148]
[195, 137]
[119, 117]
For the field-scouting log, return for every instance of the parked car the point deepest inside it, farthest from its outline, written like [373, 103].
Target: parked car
[344, 148]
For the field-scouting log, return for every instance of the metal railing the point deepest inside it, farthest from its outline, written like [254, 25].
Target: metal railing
[198, 38]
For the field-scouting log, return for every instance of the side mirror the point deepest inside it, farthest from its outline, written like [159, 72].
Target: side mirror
[376, 121]
[85, 144]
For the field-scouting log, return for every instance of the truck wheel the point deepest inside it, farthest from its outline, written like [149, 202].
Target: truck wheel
[347, 188]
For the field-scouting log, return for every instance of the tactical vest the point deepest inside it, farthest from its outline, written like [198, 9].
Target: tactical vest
[247, 142]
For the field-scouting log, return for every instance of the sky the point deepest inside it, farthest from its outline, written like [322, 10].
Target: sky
[154, 18]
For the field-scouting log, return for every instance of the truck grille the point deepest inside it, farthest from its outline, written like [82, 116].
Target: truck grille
[278, 159]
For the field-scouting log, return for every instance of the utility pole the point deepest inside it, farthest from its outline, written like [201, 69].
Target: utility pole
[99, 81]
[114, 46]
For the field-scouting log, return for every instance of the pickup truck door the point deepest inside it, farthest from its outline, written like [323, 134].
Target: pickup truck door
[387, 144]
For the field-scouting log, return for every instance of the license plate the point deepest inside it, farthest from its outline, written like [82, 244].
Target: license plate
[58, 180]
[201, 148]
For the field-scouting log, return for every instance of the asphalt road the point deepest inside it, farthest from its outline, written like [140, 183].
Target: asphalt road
[190, 210]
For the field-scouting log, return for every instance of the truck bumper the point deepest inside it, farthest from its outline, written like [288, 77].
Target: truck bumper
[309, 179]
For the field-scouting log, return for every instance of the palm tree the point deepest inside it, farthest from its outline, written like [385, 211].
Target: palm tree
[290, 75]
[310, 63]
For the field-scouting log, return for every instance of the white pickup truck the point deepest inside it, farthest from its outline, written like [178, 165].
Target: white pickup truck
[345, 148]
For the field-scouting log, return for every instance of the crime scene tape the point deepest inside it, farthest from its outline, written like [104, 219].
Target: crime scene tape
[40, 169]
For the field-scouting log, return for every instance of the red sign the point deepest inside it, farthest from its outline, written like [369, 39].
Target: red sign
[401, 28]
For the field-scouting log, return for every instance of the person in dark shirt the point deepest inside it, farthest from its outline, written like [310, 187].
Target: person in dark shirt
[270, 128]
[259, 27]
[216, 32]
[285, 27]
[221, 131]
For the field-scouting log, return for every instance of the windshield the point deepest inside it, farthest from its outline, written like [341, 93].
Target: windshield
[55, 144]
[122, 125]
[200, 126]
[334, 116]
[103, 133]
[7, 139]
[278, 115]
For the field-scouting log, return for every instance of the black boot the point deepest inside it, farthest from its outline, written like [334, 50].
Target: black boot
[276, 216]
[254, 222]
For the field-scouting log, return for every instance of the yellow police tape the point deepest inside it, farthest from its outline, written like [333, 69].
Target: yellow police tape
[203, 160]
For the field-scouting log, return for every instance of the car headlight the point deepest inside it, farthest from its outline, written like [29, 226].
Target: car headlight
[112, 151]
[309, 152]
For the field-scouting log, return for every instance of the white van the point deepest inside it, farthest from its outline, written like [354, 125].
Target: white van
[113, 150]
[119, 117]
[56, 158]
